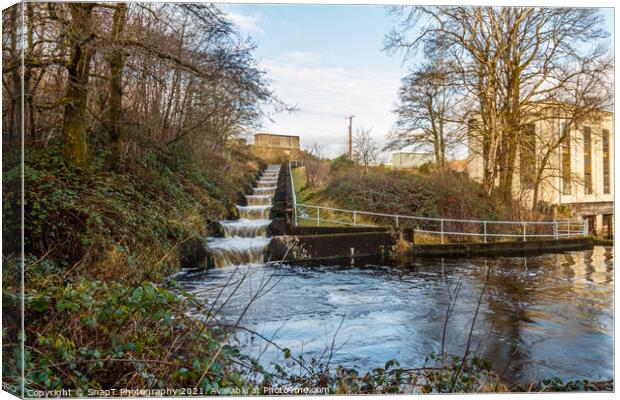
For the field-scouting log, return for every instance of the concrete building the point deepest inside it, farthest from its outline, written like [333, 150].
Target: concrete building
[579, 174]
[275, 148]
[402, 160]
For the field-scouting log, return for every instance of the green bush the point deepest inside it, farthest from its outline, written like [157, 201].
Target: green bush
[446, 195]
[94, 334]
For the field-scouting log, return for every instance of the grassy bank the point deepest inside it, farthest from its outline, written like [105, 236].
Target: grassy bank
[98, 244]
[381, 190]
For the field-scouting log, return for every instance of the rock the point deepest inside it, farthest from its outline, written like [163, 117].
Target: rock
[193, 253]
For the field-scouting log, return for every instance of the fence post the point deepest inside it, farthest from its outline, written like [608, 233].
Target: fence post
[397, 221]
[524, 232]
[485, 231]
[442, 231]
[354, 218]
[585, 227]
[555, 230]
[318, 217]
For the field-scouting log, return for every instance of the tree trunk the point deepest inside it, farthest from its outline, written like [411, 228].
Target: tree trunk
[74, 122]
[28, 91]
[15, 102]
[116, 62]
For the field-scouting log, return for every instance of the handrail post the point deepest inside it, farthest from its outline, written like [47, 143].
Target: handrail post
[555, 230]
[397, 221]
[442, 231]
[485, 231]
[354, 218]
[585, 227]
[524, 231]
[290, 173]
[318, 216]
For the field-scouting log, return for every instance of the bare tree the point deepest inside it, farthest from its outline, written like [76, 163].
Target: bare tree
[130, 73]
[313, 160]
[429, 113]
[509, 60]
[365, 148]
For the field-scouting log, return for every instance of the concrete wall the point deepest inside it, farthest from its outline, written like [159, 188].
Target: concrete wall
[594, 204]
[330, 246]
[276, 141]
[501, 248]
[276, 148]
[410, 160]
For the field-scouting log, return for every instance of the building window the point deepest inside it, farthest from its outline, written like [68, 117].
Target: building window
[527, 159]
[591, 224]
[566, 164]
[608, 226]
[587, 159]
[606, 180]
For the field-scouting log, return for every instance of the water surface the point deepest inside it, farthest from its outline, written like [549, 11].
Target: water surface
[540, 316]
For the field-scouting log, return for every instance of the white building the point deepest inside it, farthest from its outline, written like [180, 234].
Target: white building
[402, 160]
[579, 173]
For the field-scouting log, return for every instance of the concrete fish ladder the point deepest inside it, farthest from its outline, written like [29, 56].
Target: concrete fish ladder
[245, 239]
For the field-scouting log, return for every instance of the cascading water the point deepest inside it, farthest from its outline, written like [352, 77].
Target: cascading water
[245, 239]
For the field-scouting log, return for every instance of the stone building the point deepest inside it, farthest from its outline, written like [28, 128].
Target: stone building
[579, 173]
[276, 148]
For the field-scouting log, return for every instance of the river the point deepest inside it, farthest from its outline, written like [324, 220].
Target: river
[540, 316]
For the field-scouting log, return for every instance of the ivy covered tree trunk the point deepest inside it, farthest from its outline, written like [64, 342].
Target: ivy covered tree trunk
[74, 122]
[116, 62]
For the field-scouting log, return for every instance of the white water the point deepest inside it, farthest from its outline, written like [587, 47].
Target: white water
[245, 238]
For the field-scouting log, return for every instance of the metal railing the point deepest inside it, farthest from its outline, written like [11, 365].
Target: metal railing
[443, 227]
[290, 171]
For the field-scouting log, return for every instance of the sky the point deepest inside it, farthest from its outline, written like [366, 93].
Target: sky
[328, 61]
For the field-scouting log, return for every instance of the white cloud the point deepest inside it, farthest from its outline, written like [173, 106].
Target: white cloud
[300, 57]
[325, 97]
[246, 23]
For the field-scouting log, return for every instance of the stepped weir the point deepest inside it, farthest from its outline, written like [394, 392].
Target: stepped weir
[245, 239]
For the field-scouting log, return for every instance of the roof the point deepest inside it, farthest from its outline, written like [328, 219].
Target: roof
[413, 152]
[275, 134]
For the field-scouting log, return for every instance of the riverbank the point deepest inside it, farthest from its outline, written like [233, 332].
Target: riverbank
[98, 244]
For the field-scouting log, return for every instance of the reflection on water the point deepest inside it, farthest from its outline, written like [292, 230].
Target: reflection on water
[541, 316]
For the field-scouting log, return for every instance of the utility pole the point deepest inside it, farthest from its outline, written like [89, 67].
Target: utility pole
[351, 137]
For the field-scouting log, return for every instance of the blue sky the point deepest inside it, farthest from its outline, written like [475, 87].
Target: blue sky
[327, 60]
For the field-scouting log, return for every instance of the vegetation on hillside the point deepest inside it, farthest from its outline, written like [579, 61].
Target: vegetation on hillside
[98, 245]
[446, 195]
[427, 192]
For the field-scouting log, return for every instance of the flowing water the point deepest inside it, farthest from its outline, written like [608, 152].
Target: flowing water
[245, 238]
[540, 316]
